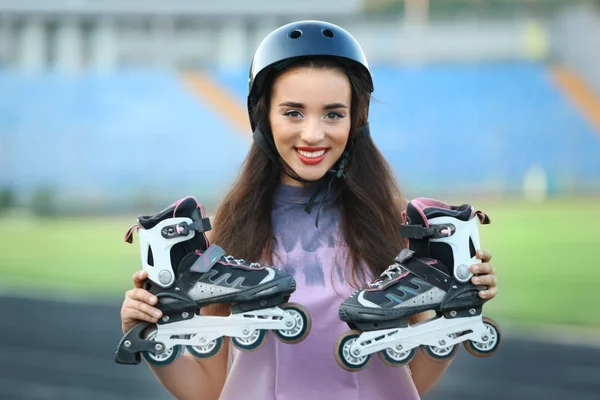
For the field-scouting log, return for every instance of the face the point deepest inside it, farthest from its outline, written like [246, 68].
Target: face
[310, 120]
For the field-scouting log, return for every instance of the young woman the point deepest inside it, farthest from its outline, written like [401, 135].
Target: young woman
[316, 197]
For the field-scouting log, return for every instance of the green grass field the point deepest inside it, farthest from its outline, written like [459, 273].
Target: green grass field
[543, 254]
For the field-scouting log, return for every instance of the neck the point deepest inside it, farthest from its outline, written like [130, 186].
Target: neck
[288, 180]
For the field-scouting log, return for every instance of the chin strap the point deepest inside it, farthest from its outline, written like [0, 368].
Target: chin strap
[268, 147]
[336, 174]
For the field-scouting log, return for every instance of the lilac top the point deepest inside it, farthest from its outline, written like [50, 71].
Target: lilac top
[308, 370]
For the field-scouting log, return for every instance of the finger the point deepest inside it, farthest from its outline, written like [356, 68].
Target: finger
[482, 268]
[131, 314]
[484, 255]
[142, 295]
[130, 304]
[147, 309]
[138, 278]
[485, 280]
[489, 294]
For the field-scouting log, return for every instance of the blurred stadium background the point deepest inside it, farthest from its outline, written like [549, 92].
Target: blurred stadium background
[110, 109]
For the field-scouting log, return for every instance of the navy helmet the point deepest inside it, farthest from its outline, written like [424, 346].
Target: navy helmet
[297, 40]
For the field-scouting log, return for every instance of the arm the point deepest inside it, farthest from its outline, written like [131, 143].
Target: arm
[188, 377]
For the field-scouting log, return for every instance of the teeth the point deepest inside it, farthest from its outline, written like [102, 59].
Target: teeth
[312, 154]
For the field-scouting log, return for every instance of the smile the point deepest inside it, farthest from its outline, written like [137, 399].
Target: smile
[312, 156]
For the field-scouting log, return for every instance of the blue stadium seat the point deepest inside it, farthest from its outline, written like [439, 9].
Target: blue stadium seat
[446, 127]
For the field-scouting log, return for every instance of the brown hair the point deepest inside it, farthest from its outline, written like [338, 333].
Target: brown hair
[369, 198]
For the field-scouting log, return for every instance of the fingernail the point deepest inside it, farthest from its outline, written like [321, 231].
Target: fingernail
[484, 294]
[476, 281]
[153, 299]
[141, 274]
[475, 269]
[157, 313]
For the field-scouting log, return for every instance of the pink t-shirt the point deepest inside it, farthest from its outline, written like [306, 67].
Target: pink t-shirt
[308, 370]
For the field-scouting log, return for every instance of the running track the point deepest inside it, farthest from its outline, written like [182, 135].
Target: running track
[64, 350]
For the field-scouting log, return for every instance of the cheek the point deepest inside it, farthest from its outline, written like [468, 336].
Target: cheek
[282, 131]
[339, 136]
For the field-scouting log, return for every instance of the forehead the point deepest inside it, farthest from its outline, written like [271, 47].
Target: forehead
[313, 85]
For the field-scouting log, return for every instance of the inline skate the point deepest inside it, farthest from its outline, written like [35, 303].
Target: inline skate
[432, 274]
[186, 272]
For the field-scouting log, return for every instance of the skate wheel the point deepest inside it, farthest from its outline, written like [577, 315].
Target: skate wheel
[208, 350]
[164, 358]
[396, 358]
[492, 343]
[301, 328]
[344, 357]
[252, 342]
[439, 353]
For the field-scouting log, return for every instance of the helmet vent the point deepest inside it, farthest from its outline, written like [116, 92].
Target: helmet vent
[328, 33]
[295, 34]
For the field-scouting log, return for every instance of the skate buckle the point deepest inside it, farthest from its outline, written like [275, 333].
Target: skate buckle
[171, 231]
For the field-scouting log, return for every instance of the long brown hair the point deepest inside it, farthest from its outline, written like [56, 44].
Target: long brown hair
[369, 197]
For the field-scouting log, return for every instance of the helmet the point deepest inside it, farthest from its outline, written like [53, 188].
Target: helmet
[301, 39]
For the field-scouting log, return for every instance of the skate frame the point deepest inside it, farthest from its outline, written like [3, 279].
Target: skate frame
[434, 332]
[204, 329]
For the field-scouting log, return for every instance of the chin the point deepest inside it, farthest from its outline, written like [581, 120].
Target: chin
[311, 174]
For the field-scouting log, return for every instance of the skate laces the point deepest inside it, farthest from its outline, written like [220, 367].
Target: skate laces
[241, 262]
[386, 275]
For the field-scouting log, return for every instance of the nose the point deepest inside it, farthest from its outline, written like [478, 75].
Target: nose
[313, 132]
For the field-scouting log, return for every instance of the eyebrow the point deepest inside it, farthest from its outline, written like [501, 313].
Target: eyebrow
[300, 105]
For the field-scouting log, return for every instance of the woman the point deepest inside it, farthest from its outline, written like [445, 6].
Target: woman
[316, 197]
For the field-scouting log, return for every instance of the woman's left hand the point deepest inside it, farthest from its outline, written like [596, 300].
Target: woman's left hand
[485, 275]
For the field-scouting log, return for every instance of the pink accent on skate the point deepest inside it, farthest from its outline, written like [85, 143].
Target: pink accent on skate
[447, 232]
[427, 202]
[179, 229]
[420, 207]
[484, 219]
[432, 262]
[223, 262]
[129, 234]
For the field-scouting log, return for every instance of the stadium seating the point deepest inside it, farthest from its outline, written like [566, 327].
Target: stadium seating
[442, 128]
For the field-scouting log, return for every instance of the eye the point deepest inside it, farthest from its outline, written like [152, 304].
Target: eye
[293, 114]
[333, 116]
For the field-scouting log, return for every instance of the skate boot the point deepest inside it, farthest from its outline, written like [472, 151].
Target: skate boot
[432, 274]
[186, 272]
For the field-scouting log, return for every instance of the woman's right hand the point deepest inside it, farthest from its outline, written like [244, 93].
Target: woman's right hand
[138, 304]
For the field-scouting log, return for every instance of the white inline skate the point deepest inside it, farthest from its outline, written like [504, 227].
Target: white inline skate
[186, 272]
[433, 274]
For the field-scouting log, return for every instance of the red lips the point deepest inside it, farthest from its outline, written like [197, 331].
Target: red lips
[311, 160]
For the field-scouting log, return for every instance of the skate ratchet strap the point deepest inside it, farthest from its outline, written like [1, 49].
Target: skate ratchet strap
[423, 270]
[183, 229]
[208, 259]
[432, 231]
